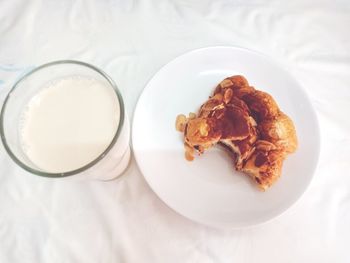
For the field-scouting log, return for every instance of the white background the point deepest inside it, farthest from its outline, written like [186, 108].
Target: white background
[44, 220]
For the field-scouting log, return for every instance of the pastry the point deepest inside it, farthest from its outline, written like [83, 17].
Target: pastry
[248, 124]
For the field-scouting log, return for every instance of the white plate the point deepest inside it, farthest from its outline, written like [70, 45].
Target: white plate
[209, 190]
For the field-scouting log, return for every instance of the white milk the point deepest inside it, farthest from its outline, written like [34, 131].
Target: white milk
[70, 123]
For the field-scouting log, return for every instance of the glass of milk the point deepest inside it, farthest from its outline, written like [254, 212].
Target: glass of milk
[66, 118]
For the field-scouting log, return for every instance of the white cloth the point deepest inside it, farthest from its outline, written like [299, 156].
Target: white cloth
[47, 220]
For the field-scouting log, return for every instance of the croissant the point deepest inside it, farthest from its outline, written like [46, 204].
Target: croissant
[248, 124]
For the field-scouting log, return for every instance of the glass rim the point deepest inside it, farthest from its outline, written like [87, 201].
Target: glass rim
[91, 163]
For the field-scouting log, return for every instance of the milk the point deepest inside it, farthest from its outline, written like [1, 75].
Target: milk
[69, 123]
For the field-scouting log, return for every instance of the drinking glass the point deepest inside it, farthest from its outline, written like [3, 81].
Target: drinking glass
[108, 165]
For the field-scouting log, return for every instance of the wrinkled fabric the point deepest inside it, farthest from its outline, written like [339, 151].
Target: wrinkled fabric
[47, 220]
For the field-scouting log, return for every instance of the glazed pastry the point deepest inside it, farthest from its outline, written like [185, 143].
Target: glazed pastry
[247, 123]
